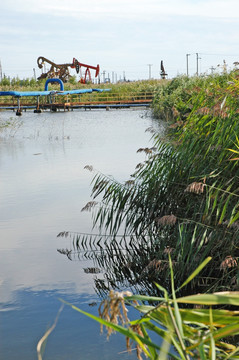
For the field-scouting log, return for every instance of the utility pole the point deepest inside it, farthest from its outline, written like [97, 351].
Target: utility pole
[197, 58]
[104, 76]
[212, 69]
[187, 55]
[34, 73]
[150, 65]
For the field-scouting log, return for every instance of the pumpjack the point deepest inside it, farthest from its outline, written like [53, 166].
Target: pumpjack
[61, 71]
[163, 72]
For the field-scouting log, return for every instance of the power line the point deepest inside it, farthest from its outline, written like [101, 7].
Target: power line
[218, 54]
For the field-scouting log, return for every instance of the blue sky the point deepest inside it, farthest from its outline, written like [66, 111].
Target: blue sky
[123, 36]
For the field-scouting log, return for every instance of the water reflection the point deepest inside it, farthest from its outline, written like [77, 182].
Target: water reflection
[122, 262]
[43, 187]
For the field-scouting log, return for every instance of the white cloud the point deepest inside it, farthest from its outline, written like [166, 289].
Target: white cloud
[126, 9]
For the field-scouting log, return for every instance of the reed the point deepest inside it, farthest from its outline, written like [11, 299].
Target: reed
[185, 196]
[179, 212]
[165, 329]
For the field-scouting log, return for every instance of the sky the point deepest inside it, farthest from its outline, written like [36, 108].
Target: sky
[127, 38]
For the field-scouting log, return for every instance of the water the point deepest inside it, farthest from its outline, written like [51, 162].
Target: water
[43, 187]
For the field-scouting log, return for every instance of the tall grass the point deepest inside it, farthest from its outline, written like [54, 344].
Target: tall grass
[185, 196]
[179, 210]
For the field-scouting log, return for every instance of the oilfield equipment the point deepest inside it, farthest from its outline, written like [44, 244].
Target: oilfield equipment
[55, 100]
[62, 72]
[163, 72]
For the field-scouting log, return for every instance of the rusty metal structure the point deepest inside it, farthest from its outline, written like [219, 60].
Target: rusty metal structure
[62, 72]
[163, 72]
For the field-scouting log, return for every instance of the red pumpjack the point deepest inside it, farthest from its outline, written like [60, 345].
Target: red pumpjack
[77, 65]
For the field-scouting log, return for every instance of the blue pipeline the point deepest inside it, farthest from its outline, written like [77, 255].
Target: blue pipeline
[59, 81]
[19, 94]
[54, 92]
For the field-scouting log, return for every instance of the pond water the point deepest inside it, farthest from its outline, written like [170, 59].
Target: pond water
[43, 187]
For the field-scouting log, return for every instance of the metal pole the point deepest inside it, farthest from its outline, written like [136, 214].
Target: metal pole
[0, 71]
[197, 58]
[149, 65]
[187, 55]
[212, 69]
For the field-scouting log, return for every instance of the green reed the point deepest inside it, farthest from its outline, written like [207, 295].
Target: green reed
[185, 196]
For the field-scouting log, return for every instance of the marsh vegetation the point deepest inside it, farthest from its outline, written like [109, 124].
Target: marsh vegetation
[178, 209]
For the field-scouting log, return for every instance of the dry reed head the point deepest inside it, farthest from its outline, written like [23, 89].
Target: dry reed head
[89, 206]
[147, 151]
[156, 265]
[166, 220]
[139, 166]
[89, 167]
[175, 112]
[137, 329]
[228, 262]
[129, 182]
[195, 187]
[151, 129]
[113, 309]
[168, 250]
[65, 252]
[175, 125]
[204, 110]
[63, 234]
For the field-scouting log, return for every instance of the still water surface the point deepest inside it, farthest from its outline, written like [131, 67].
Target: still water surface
[43, 187]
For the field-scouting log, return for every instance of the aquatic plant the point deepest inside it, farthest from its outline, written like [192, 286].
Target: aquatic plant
[165, 329]
[185, 196]
[178, 210]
